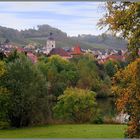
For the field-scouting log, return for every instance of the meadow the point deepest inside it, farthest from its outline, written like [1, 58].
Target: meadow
[67, 131]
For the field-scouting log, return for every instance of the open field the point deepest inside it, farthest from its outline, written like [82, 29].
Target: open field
[66, 131]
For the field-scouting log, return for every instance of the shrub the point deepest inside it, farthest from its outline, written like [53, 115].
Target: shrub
[76, 105]
[98, 120]
[4, 125]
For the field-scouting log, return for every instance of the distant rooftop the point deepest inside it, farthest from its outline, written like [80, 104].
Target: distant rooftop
[59, 51]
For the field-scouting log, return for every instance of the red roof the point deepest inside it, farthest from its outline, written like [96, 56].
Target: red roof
[116, 57]
[76, 50]
[113, 57]
[32, 57]
[20, 49]
[60, 51]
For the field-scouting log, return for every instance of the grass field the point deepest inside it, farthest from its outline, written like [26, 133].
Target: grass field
[66, 131]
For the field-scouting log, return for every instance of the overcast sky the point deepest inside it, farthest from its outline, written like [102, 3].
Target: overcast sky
[71, 17]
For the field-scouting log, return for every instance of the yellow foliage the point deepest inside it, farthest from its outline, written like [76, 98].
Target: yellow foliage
[126, 86]
[2, 72]
[2, 68]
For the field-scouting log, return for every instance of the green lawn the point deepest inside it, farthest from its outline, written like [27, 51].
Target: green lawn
[66, 131]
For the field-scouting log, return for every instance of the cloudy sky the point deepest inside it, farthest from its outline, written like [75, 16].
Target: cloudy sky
[71, 17]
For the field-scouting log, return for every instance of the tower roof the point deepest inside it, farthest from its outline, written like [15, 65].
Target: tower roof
[77, 50]
[51, 36]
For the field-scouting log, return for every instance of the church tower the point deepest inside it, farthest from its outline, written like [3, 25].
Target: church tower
[50, 44]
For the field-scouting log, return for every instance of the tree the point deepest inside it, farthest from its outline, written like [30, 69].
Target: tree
[76, 105]
[12, 56]
[91, 75]
[2, 74]
[2, 55]
[111, 67]
[7, 41]
[26, 101]
[123, 18]
[88, 73]
[126, 86]
[60, 73]
[3, 90]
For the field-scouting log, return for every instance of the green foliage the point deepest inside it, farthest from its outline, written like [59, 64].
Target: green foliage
[4, 125]
[89, 76]
[60, 73]
[98, 120]
[3, 90]
[76, 105]
[30, 91]
[2, 68]
[43, 59]
[88, 73]
[2, 55]
[92, 75]
[12, 56]
[25, 103]
[39, 37]
[104, 90]
[111, 67]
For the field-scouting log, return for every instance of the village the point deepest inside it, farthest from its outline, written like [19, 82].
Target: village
[70, 69]
[50, 49]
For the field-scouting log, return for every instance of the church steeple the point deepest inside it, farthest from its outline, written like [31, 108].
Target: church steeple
[51, 36]
[50, 44]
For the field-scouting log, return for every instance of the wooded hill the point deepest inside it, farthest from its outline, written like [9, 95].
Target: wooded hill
[41, 33]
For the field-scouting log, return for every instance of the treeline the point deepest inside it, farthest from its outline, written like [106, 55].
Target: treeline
[22, 37]
[40, 34]
[53, 88]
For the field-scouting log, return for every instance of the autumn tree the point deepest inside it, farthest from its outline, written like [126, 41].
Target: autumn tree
[126, 86]
[123, 19]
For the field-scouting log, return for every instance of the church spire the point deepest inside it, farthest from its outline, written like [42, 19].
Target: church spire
[51, 36]
[50, 44]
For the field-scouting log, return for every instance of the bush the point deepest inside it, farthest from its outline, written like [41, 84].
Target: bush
[98, 120]
[98, 117]
[4, 125]
[76, 105]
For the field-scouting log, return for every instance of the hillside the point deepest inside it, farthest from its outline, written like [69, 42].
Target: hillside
[42, 32]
